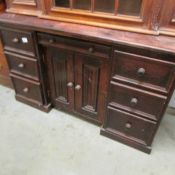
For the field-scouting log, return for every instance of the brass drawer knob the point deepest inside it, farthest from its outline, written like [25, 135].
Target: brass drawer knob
[141, 72]
[21, 65]
[91, 50]
[134, 101]
[77, 87]
[128, 125]
[15, 40]
[70, 84]
[26, 90]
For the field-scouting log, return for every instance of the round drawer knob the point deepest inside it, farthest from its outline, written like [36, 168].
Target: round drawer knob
[15, 40]
[26, 90]
[51, 41]
[70, 84]
[77, 87]
[128, 125]
[134, 101]
[141, 72]
[91, 50]
[21, 65]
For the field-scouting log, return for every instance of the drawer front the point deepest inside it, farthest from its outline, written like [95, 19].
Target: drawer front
[18, 41]
[23, 65]
[128, 125]
[143, 71]
[137, 101]
[27, 88]
[75, 45]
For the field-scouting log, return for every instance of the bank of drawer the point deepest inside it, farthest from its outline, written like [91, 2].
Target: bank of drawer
[21, 65]
[27, 88]
[128, 125]
[18, 41]
[75, 45]
[143, 71]
[137, 101]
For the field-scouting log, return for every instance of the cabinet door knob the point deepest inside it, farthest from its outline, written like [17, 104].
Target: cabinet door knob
[51, 41]
[15, 40]
[26, 90]
[134, 101]
[128, 125]
[77, 87]
[141, 72]
[70, 84]
[91, 50]
[21, 65]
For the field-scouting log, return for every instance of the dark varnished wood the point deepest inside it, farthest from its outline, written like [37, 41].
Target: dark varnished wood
[136, 101]
[76, 65]
[143, 71]
[22, 65]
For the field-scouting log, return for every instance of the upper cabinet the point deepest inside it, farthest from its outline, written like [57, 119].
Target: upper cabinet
[26, 7]
[143, 16]
[130, 15]
[167, 22]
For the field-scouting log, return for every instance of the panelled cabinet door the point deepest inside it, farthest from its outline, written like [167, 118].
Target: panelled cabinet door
[28, 7]
[167, 22]
[61, 76]
[90, 86]
[132, 15]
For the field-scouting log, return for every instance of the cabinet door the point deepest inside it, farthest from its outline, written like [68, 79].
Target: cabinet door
[90, 86]
[167, 25]
[61, 76]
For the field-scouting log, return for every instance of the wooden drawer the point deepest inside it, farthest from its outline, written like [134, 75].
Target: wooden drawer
[22, 65]
[143, 71]
[28, 89]
[75, 45]
[128, 125]
[18, 41]
[137, 101]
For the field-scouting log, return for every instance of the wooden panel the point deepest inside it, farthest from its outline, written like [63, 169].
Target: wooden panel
[61, 75]
[130, 126]
[143, 71]
[18, 41]
[27, 88]
[75, 45]
[27, 7]
[143, 103]
[22, 65]
[91, 76]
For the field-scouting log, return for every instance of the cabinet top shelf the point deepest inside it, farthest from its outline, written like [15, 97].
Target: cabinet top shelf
[101, 35]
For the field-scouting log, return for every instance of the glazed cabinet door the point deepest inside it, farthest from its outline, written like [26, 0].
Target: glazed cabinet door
[90, 86]
[167, 24]
[61, 76]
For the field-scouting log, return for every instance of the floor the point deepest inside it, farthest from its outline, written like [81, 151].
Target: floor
[35, 143]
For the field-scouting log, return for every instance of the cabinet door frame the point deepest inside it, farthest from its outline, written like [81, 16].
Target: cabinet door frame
[167, 20]
[61, 103]
[99, 70]
[142, 23]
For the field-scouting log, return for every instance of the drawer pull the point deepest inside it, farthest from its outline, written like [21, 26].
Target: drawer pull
[141, 72]
[77, 87]
[70, 84]
[21, 65]
[128, 125]
[91, 50]
[26, 90]
[15, 40]
[51, 41]
[134, 101]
